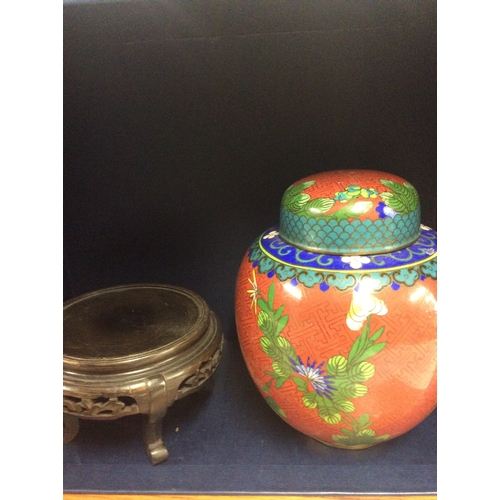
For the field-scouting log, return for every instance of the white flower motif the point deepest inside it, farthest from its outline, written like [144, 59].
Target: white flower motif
[356, 261]
[253, 292]
[389, 212]
[272, 234]
[363, 304]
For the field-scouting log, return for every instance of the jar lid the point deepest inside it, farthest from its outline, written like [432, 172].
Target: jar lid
[124, 328]
[350, 212]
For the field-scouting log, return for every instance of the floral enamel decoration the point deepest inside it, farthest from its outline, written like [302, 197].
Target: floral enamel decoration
[320, 382]
[356, 261]
[385, 211]
[253, 292]
[297, 201]
[338, 325]
[363, 305]
[328, 387]
[401, 199]
[271, 235]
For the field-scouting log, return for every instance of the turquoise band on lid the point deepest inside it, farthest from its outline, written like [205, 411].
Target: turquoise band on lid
[354, 212]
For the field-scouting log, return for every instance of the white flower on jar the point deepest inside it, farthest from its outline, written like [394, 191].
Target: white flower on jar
[363, 304]
[356, 261]
[272, 234]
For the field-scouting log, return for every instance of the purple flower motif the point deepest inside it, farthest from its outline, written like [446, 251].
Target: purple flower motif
[385, 211]
[322, 384]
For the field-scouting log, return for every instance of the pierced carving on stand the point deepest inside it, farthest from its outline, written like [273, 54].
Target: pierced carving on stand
[127, 349]
[115, 406]
[204, 371]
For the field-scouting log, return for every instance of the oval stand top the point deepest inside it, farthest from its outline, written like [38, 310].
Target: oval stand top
[131, 326]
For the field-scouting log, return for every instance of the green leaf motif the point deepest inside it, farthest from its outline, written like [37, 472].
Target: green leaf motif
[318, 206]
[361, 372]
[282, 369]
[347, 432]
[371, 351]
[355, 210]
[403, 199]
[293, 190]
[280, 381]
[357, 348]
[270, 295]
[269, 348]
[282, 322]
[353, 391]
[364, 347]
[267, 387]
[363, 420]
[265, 323]
[301, 384]
[310, 400]
[367, 432]
[286, 348]
[329, 415]
[272, 403]
[359, 344]
[295, 203]
[336, 365]
[344, 387]
[263, 305]
[279, 312]
[344, 405]
[376, 335]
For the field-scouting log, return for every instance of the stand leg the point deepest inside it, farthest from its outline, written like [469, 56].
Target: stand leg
[71, 425]
[156, 448]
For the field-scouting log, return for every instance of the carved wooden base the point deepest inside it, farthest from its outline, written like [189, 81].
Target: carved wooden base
[103, 388]
[154, 402]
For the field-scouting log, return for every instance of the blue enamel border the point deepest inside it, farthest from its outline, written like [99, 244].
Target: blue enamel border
[424, 249]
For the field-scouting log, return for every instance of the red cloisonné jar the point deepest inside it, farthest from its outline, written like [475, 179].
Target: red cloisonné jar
[336, 309]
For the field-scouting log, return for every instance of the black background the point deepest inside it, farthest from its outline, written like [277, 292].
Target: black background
[184, 122]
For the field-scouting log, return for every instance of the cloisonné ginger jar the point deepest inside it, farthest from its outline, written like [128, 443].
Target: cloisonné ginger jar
[336, 309]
